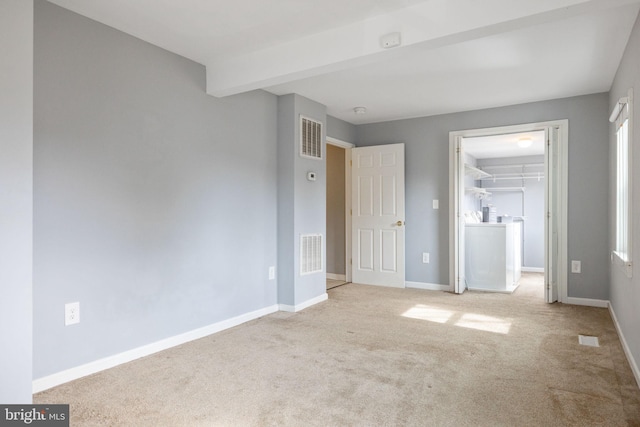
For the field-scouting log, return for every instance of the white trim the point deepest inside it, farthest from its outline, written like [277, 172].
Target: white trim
[618, 109]
[306, 304]
[74, 373]
[339, 143]
[563, 126]
[625, 262]
[532, 269]
[383, 285]
[427, 286]
[454, 200]
[347, 212]
[627, 266]
[563, 217]
[332, 276]
[588, 302]
[625, 346]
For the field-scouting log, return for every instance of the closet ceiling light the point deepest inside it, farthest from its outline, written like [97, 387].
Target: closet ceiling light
[525, 142]
[360, 110]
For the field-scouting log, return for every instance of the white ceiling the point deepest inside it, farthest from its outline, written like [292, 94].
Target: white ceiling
[507, 145]
[456, 55]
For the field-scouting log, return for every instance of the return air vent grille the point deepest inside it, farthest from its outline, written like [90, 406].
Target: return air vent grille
[310, 254]
[310, 138]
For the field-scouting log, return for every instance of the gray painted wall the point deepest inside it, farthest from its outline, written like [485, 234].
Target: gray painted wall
[16, 199]
[154, 205]
[336, 210]
[625, 293]
[287, 272]
[339, 129]
[302, 203]
[427, 177]
[286, 200]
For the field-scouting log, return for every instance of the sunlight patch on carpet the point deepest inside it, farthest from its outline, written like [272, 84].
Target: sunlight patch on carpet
[424, 312]
[464, 320]
[484, 323]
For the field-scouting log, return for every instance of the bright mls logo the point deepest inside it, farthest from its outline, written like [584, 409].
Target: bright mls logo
[34, 415]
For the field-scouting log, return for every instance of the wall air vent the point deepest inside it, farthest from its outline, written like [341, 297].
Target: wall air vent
[310, 138]
[310, 254]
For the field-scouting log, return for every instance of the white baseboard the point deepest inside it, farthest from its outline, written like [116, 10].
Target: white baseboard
[337, 277]
[532, 270]
[427, 286]
[308, 303]
[71, 374]
[600, 303]
[384, 285]
[625, 346]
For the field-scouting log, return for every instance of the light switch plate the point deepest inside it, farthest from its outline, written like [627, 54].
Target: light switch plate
[576, 266]
[436, 204]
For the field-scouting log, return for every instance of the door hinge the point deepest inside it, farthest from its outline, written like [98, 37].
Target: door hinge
[351, 163]
[548, 214]
[350, 261]
[548, 286]
[458, 150]
[351, 212]
[548, 143]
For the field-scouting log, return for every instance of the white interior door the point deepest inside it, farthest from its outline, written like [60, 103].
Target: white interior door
[551, 213]
[460, 283]
[378, 214]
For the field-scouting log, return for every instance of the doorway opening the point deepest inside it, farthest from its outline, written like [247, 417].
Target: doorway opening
[505, 180]
[338, 240]
[508, 188]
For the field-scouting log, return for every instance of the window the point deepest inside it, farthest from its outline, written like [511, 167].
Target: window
[621, 116]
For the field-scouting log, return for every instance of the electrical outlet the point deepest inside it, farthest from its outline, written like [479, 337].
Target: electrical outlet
[576, 266]
[425, 257]
[71, 313]
[272, 273]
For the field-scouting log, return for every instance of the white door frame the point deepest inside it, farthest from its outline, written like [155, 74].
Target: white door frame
[347, 182]
[562, 189]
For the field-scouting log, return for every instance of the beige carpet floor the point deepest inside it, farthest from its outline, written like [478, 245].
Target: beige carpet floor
[377, 356]
[333, 283]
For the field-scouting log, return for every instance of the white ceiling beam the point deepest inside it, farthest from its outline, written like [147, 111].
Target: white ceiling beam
[430, 24]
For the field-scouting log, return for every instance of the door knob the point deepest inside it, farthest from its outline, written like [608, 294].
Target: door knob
[400, 223]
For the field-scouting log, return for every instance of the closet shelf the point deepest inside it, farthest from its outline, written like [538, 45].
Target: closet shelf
[475, 172]
[522, 166]
[514, 175]
[480, 193]
[506, 189]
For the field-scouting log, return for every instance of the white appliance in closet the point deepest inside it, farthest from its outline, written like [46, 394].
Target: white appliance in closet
[493, 258]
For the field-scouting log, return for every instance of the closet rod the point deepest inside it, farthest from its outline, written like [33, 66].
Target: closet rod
[505, 189]
[525, 165]
[512, 177]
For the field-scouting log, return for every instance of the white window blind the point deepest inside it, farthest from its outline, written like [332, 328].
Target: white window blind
[621, 116]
